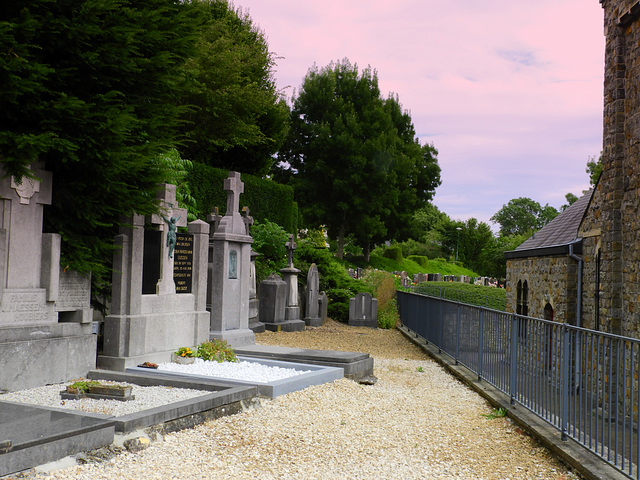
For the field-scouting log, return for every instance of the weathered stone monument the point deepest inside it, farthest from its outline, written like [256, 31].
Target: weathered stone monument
[45, 317]
[273, 302]
[363, 311]
[230, 272]
[159, 287]
[255, 324]
[290, 277]
[312, 311]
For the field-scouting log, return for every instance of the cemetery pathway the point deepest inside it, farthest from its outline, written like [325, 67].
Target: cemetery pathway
[417, 422]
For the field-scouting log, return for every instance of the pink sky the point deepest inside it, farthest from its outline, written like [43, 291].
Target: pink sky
[509, 92]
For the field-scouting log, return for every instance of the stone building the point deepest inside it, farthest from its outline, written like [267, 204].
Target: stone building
[609, 232]
[543, 272]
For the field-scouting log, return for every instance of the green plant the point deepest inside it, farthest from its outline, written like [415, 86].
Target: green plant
[83, 385]
[496, 413]
[184, 352]
[216, 351]
[394, 253]
[420, 369]
[388, 316]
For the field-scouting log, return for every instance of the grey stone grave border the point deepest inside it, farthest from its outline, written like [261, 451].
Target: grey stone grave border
[316, 375]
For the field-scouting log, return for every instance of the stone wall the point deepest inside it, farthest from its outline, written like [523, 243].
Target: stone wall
[551, 279]
[611, 225]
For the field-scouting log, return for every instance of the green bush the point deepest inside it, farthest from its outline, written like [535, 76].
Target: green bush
[394, 253]
[269, 240]
[216, 350]
[420, 260]
[388, 315]
[339, 304]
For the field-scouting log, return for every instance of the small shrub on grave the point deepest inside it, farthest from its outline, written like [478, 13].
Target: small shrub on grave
[82, 386]
[216, 351]
[388, 316]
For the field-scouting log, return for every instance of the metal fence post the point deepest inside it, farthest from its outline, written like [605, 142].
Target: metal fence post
[457, 333]
[566, 353]
[514, 359]
[440, 326]
[480, 344]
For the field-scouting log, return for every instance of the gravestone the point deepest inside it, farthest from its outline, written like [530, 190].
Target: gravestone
[45, 318]
[323, 305]
[404, 279]
[255, 325]
[312, 311]
[363, 311]
[230, 271]
[159, 287]
[273, 302]
[292, 321]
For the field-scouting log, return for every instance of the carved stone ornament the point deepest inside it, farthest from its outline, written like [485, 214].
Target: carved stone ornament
[25, 189]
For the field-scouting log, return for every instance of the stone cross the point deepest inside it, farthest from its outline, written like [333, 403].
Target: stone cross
[291, 247]
[235, 187]
[213, 219]
[248, 221]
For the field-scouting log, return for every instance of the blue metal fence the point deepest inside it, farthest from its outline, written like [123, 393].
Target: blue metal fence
[583, 382]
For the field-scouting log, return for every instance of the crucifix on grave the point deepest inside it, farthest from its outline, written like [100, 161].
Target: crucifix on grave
[248, 220]
[167, 223]
[291, 248]
[213, 219]
[290, 276]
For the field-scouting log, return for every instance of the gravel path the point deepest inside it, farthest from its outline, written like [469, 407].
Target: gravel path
[417, 422]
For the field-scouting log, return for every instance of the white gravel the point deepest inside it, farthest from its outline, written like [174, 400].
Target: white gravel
[417, 422]
[146, 398]
[247, 371]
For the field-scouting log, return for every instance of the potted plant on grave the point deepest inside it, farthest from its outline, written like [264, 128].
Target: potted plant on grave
[184, 356]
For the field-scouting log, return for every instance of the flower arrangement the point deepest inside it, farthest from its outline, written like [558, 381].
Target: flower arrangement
[184, 352]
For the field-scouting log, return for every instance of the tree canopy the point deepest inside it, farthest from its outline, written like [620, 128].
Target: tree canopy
[102, 90]
[239, 119]
[356, 163]
[523, 215]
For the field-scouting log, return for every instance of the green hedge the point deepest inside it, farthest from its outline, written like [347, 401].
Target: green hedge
[420, 260]
[266, 199]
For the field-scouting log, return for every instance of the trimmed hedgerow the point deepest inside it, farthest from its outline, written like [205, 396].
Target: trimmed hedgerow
[266, 199]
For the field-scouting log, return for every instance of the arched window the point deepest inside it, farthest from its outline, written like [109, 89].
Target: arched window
[525, 298]
[548, 312]
[519, 298]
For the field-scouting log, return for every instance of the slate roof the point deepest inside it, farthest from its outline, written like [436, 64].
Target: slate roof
[562, 230]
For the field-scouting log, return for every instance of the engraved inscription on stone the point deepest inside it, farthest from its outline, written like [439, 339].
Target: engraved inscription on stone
[26, 307]
[74, 292]
[183, 263]
[233, 264]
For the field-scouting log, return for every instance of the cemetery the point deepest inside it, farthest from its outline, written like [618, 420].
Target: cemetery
[163, 282]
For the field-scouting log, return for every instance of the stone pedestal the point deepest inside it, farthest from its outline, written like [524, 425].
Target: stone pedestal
[231, 272]
[273, 304]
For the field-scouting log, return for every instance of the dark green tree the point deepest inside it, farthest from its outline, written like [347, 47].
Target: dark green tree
[357, 167]
[522, 215]
[239, 119]
[470, 240]
[571, 199]
[594, 169]
[88, 87]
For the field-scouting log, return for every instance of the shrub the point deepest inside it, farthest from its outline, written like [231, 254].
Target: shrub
[394, 253]
[420, 260]
[269, 240]
[216, 350]
[388, 315]
[338, 308]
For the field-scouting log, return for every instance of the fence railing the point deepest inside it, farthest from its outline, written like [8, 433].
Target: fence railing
[583, 382]
[458, 295]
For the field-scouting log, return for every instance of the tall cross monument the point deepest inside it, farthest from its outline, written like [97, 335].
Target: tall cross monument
[230, 273]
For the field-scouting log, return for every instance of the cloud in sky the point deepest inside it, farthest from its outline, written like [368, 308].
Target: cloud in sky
[510, 93]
